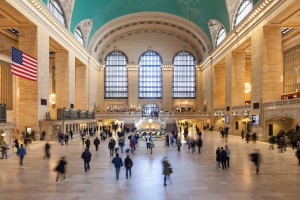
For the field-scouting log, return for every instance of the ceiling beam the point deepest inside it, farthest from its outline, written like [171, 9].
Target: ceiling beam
[8, 16]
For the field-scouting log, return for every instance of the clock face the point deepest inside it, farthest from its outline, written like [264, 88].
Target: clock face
[247, 87]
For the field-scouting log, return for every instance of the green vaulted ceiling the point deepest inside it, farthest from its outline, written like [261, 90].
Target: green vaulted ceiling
[102, 11]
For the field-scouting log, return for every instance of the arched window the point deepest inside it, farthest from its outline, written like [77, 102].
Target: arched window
[78, 35]
[221, 35]
[57, 11]
[115, 76]
[184, 76]
[243, 10]
[150, 76]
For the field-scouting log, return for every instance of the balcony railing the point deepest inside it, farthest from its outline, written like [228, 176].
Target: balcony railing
[275, 104]
[64, 114]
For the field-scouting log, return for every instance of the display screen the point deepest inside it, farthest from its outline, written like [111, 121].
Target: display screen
[227, 120]
[255, 120]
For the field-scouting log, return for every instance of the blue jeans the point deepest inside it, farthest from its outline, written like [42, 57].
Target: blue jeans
[86, 165]
[118, 172]
[128, 169]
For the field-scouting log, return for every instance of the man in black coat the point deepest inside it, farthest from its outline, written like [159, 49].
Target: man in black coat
[111, 146]
[223, 155]
[86, 156]
[87, 143]
[96, 143]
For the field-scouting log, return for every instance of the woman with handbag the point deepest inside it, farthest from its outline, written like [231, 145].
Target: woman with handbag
[167, 170]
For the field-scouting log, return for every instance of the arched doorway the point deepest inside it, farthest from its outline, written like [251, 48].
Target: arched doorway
[150, 110]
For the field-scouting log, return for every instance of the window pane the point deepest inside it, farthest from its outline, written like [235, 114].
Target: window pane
[150, 76]
[78, 35]
[221, 35]
[243, 10]
[116, 79]
[184, 76]
[56, 10]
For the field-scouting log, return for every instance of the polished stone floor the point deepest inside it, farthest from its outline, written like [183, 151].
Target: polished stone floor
[195, 175]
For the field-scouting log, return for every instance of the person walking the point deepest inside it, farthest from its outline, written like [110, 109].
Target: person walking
[21, 152]
[179, 144]
[228, 155]
[254, 137]
[96, 143]
[147, 138]
[256, 159]
[61, 169]
[47, 150]
[272, 141]
[66, 139]
[242, 133]
[298, 155]
[87, 143]
[4, 148]
[111, 147]
[86, 156]
[121, 143]
[247, 137]
[167, 170]
[117, 161]
[71, 134]
[199, 144]
[193, 145]
[128, 164]
[223, 156]
[218, 157]
[151, 146]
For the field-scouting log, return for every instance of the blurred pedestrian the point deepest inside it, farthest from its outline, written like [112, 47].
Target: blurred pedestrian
[96, 143]
[151, 146]
[298, 155]
[87, 143]
[61, 168]
[128, 165]
[228, 155]
[86, 156]
[256, 159]
[179, 144]
[117, 161]
[167, 170]
[47, 150]
[21, 152]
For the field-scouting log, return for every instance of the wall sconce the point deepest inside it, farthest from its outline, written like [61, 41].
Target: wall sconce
[222, 114]
[52, 98]
[234, 113]
[216, 114]
[247, 87]
[246, 113]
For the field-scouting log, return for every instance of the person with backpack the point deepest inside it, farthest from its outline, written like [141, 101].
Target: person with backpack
[86, 156]
[128, 165]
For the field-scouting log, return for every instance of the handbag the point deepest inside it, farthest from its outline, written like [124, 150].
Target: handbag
[170, 170]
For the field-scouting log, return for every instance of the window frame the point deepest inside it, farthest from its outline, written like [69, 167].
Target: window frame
[155, 76]
[55, 4]
[174, 71]
[79, 35]
[242, 11]
[218, 40]
[125, 71]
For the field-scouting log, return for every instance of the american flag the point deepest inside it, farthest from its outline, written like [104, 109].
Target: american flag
[23, 65]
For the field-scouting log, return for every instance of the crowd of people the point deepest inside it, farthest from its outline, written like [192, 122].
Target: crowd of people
[117, 140]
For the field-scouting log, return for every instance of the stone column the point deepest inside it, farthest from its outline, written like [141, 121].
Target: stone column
[81, 89]
[28, 90]
[237, 95]
[266, 64]
[133, 86]
[219, 86]
[167, 95]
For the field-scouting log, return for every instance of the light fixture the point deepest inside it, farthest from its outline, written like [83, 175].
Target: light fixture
[247, 87]
[234, 113]
[216, 114]
[246, 113]
[52, 98]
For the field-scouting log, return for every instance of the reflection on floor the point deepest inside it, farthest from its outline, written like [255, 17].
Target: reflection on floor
[194, 177]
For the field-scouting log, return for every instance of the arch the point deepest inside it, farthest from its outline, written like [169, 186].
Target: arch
[115, 76]
[150, 76]
[214, 27]
[78, 35]
[220, 35]
[66, 10]
[85, 27]
[114, 30]
[242, 11]
[184, 76]
[231, 6]
[56, 9]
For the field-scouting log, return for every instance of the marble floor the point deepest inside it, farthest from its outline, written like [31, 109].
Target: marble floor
[194, 175]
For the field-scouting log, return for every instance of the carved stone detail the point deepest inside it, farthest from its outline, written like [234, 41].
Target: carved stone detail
[67, 6]
[231, 9]
[214, 25]
[85, 27]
